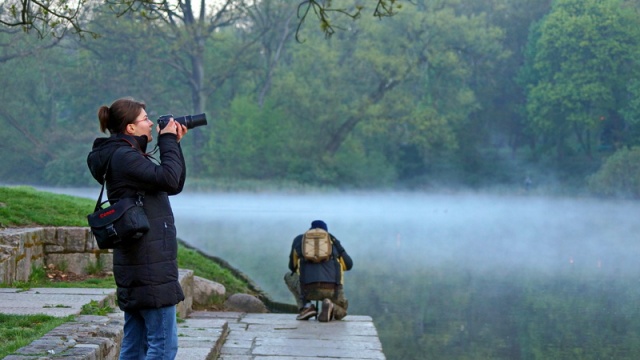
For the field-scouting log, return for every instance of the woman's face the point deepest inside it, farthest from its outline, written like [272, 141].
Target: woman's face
[142, 126]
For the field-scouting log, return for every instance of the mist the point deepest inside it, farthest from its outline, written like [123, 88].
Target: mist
[408, 231]
[470, 231]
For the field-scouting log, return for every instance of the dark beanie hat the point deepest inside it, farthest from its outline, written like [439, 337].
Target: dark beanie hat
[319, 224]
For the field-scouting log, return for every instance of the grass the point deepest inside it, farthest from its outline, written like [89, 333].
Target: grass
[94, 308]
[17, 331]
[23, 206]
[205, 268]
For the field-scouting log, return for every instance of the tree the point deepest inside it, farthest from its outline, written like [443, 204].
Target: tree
[350, 104]
[619, 175]
[36, 128]
[419, 88]
[581, 65]
[59, 16]
[323, 9]
[18, 44]
[189, 32]
[273, 20]
[45, 18]
[501, 119]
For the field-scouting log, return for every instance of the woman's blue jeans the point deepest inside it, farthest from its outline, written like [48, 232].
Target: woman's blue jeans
[150, 334]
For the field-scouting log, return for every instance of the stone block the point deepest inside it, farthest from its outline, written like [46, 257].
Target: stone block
[71, 248]
[35, 252]
[245, 303]
[186, 282]
[74, 262]
[205, 290]
[73, 238]
[107, 260]
[33, 238]
[7, 270]
[23, 268]
[50, 237]
[51, 249]
[7, 252]
[18, 241]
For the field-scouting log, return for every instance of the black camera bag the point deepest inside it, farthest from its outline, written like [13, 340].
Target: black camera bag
[124, 220]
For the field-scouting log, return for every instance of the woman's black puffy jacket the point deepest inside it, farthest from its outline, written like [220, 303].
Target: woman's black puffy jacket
[145, 270]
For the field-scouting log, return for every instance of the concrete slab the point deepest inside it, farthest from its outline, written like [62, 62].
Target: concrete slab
[281, 336]
[59, 302]
[202, 335]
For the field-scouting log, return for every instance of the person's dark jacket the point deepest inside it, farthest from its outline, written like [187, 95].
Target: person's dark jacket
[145, 270]
[330, 271]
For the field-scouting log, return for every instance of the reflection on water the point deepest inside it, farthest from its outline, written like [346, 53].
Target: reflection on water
[438, 271]
[254, 231]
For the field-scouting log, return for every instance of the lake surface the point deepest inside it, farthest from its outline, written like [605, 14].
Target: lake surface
[480, 232]
[442, 273]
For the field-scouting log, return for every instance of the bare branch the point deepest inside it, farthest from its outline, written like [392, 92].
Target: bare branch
[322, 10]
[45, 18]
[10, 51]
[38, 147]
[56, 17]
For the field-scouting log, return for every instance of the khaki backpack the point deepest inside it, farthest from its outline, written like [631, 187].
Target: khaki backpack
[316, 245]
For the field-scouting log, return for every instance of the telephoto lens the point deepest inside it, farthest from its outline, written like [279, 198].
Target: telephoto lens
[190, 121]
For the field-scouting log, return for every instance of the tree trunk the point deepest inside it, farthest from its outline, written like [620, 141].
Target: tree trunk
[343, 131]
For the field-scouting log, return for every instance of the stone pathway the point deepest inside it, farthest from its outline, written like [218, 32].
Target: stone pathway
[203, 335]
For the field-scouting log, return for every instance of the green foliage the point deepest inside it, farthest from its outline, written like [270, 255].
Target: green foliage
[322, 10]
[631, 114]
[95, 308]
[434, 84]
[619, 175]
[69, 167]
[38, 275]
[581, 64]
[96, 267]
[399, 83]
[357, 163]
[63, 265]
[254, 144]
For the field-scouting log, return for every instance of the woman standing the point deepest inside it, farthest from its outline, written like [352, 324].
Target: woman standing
[145, 270]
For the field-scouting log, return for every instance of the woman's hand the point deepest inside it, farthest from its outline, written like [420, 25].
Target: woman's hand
[181, 131]
[173, 127]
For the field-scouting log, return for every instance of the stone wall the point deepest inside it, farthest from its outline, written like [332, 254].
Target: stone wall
[71, 249]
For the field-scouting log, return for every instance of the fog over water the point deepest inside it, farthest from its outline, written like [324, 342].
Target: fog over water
[410, 231]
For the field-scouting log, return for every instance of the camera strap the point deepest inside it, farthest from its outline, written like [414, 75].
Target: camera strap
[140, 194]
[104, 181]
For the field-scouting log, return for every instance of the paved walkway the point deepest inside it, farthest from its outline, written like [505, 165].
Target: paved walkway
[203, 335]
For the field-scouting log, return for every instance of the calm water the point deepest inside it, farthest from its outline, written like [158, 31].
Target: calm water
[409, 231]
[449, 276]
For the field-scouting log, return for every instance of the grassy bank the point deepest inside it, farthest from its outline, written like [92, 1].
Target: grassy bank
[27, 207]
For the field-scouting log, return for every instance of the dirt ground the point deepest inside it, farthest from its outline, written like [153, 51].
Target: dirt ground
[56, 275]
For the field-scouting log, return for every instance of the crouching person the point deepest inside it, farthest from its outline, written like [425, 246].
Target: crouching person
[317, 262]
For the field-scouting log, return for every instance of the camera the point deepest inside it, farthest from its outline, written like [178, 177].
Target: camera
[190, 121]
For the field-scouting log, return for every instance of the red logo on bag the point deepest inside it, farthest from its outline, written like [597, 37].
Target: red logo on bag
[110, 212]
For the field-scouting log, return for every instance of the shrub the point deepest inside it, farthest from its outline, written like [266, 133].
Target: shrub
[619, 176]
